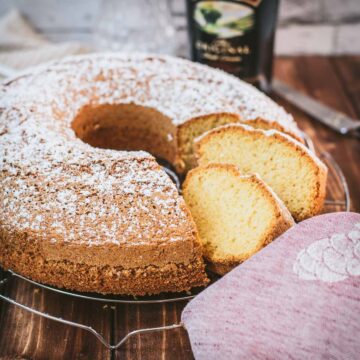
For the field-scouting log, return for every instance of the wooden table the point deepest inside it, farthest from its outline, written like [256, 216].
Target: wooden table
[334, 81]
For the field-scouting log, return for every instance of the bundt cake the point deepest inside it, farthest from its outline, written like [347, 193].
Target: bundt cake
[77, 214]
[296, 175]
[237, 221]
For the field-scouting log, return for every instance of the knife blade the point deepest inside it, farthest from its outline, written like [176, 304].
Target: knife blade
[336, 120]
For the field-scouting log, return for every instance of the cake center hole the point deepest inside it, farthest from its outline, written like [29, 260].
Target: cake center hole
[128, 127]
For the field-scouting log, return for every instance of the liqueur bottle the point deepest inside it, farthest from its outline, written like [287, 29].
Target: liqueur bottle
[235, 36]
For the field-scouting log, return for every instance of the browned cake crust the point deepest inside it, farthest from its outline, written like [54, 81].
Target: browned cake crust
[30, 262]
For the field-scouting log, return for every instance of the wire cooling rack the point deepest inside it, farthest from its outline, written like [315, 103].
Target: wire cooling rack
[338, 199]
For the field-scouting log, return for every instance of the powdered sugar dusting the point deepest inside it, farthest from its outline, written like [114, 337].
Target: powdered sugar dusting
[65, 190]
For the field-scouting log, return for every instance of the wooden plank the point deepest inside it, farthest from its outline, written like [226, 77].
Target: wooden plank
[33, 337]
[170, 344]
[317, 77]
[348, 69]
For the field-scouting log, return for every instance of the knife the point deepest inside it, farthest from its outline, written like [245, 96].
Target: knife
[336, 120]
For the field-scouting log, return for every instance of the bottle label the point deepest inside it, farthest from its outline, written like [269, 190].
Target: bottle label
[224, 34]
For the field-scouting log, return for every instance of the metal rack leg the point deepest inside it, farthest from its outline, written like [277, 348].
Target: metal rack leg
[89, 329]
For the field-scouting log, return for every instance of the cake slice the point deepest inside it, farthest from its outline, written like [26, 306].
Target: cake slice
[193, 128]
[235, 215]
[296, 175]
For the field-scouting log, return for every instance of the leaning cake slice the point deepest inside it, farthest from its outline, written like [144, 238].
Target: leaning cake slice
[296, 175]
[235, 215]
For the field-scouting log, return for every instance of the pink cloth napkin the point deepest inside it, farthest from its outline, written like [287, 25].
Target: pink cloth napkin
[299, 298]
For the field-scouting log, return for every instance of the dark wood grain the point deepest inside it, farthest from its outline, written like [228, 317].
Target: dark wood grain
[334, 81]
[348, 70]
[33, 337]
[318, 77]
[170, 344]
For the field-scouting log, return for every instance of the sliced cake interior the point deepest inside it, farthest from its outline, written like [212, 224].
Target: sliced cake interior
[296, 175]
[192, 129]
[235, 215]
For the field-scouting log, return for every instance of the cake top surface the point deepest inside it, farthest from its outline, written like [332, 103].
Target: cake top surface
[58, 186]
[176, 87]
